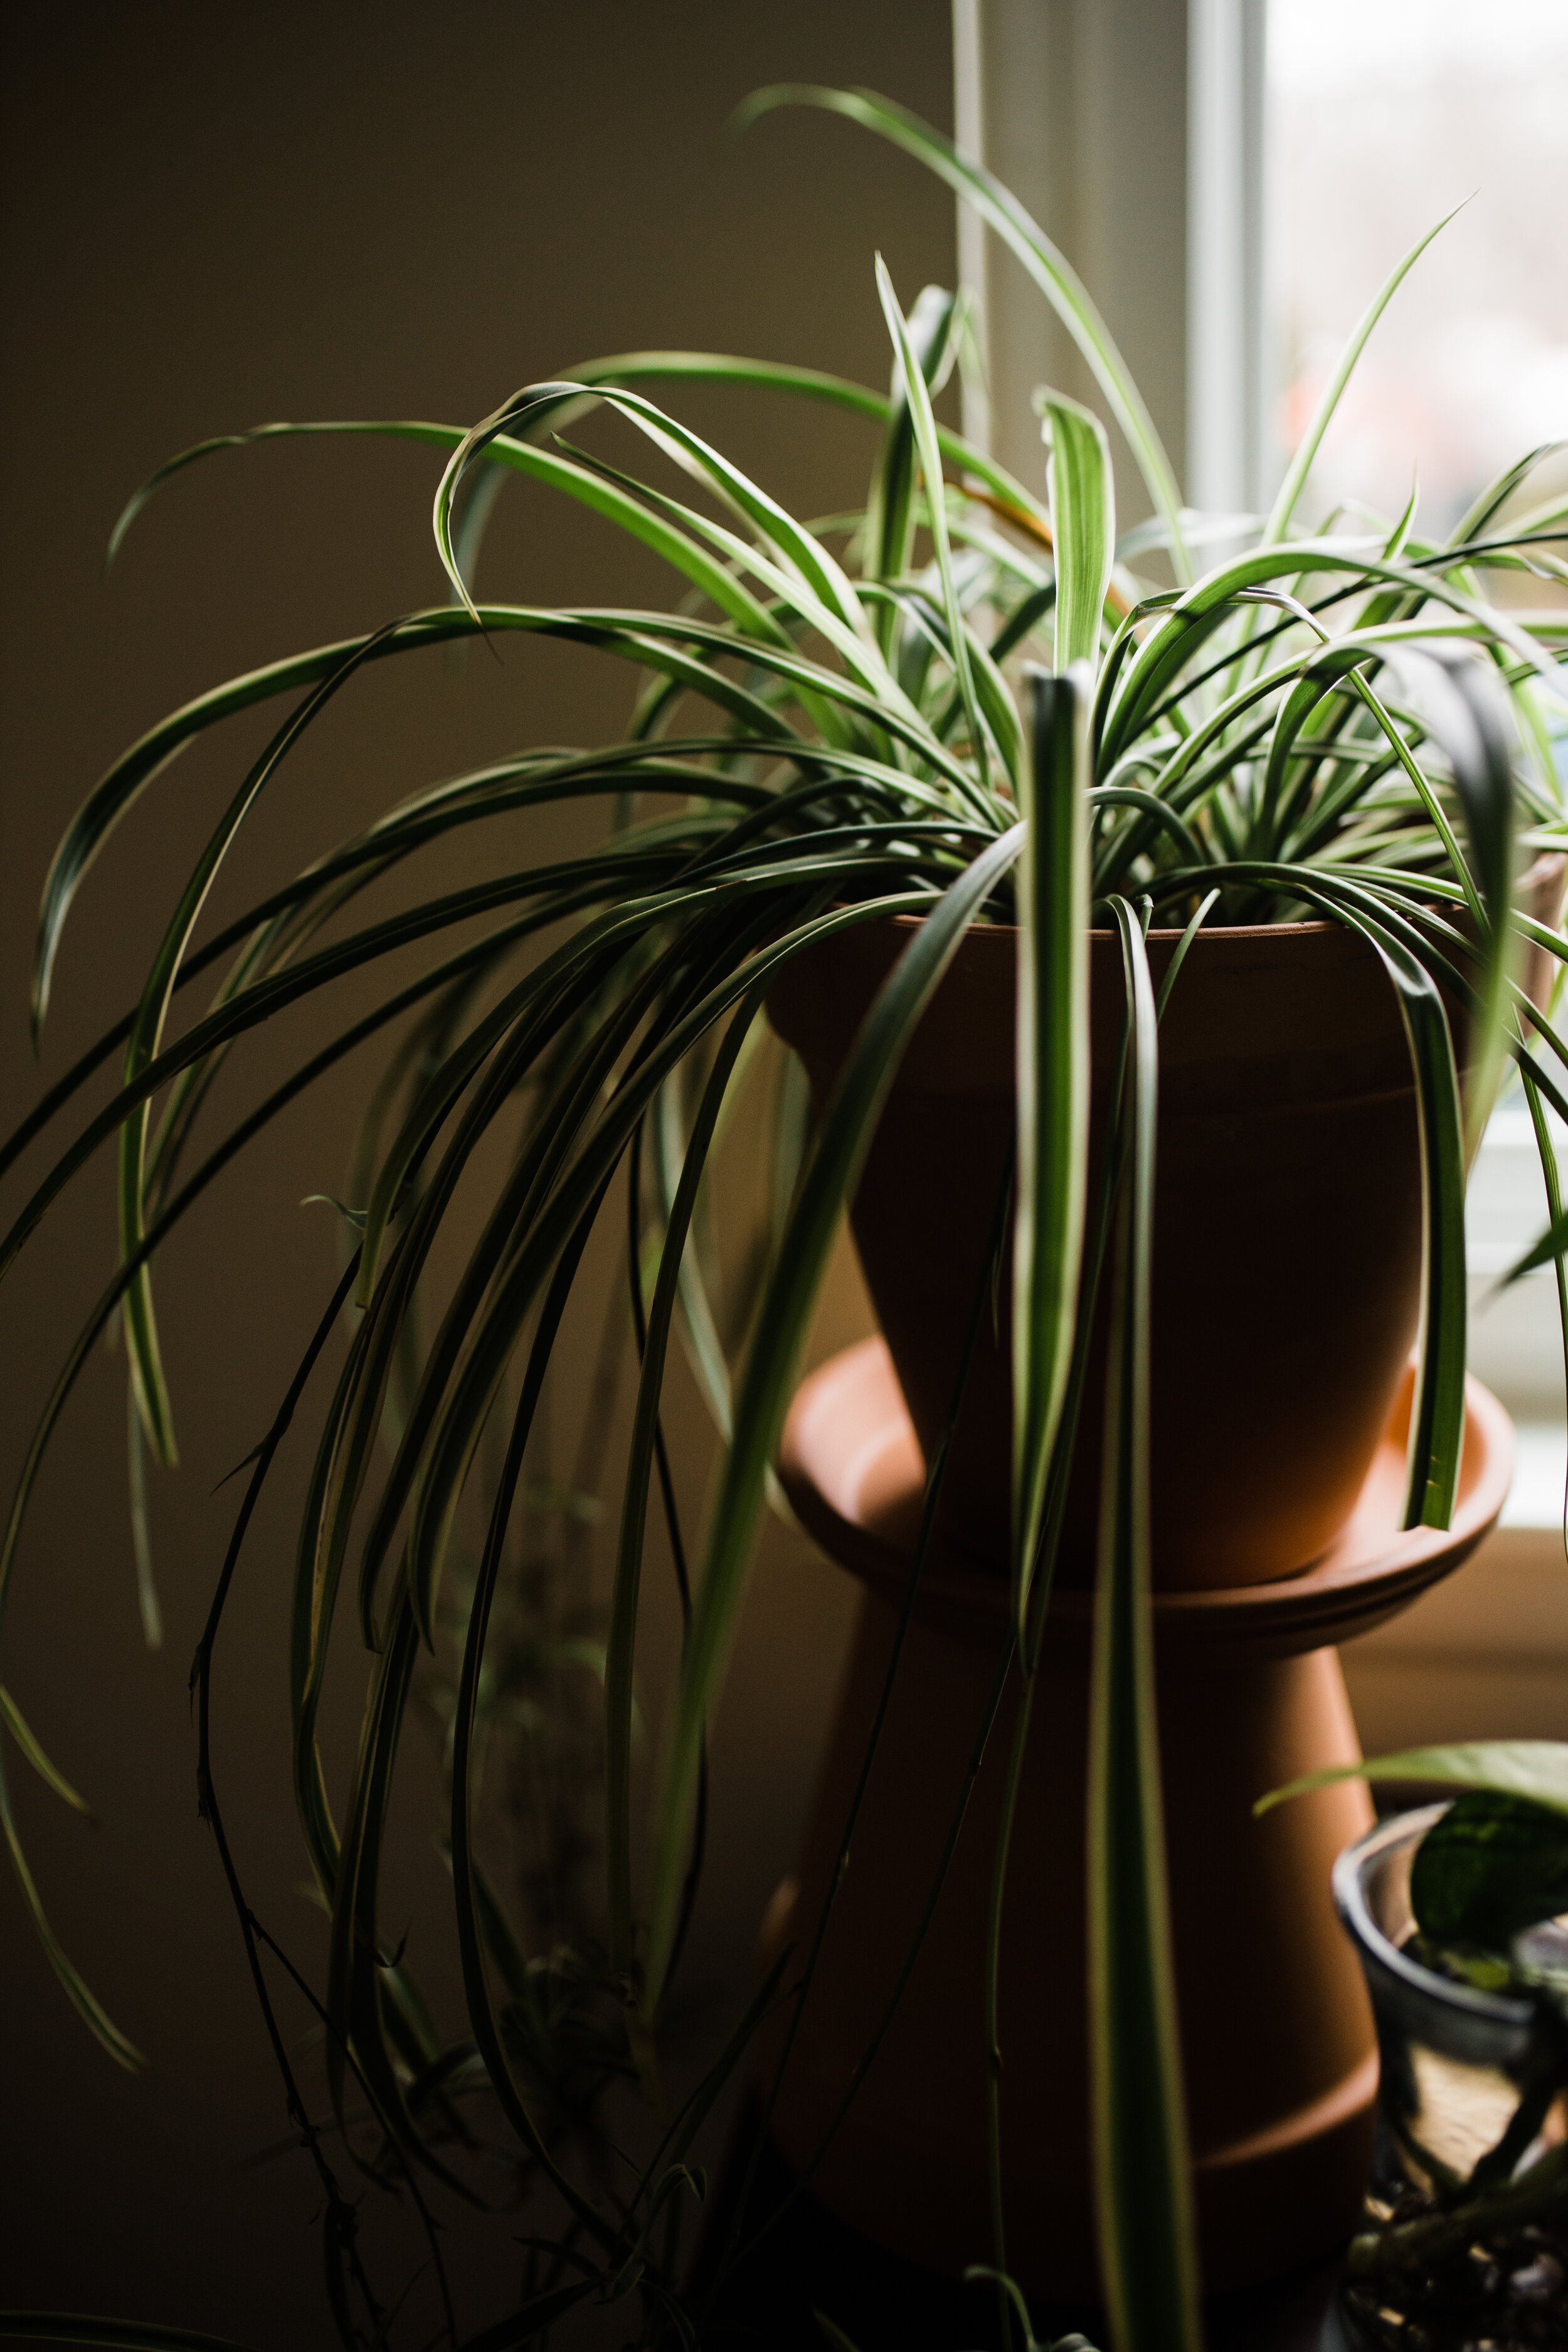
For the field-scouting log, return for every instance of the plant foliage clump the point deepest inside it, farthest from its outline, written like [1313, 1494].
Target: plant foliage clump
[834, 724]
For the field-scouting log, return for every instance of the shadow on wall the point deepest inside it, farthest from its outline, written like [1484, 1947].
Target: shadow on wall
[212, 218]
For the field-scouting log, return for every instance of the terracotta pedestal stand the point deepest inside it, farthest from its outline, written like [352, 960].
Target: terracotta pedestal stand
[1279, 2058]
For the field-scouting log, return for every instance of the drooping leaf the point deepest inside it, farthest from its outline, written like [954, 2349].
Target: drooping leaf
[1463, 707]
[140, 1531]
[1436, 1440]
[890, 504]
[770, 1371]
[78, 1991]
[1535, 1771]
[1044, 262]
[619, 1669]
[15, 1723]
[1052, 1096]
[1143, 2195]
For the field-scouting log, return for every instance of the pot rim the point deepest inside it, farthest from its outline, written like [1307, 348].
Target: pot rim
[1535, 872]
[1350, 1873]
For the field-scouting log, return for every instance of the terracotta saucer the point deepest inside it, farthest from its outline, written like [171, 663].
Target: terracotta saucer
[852, 1468]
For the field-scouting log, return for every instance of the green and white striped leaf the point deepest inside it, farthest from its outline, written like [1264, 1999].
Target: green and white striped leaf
[769, 1377]
[924, 425]
[1083, 522]
[1052, 1096]
[1288, 495]
[1143, 2193]
[1044, 262]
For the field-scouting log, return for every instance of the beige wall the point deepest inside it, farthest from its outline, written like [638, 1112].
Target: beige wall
[1082, 107]
[216, 216]
[1483, 1655]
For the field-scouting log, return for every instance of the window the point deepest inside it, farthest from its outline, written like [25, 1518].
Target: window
[1323, 137]
[1383, 116]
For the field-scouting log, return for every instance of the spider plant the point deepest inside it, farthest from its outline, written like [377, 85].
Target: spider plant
[966, 702]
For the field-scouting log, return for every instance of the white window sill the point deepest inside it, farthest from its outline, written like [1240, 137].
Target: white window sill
[1540, 1466]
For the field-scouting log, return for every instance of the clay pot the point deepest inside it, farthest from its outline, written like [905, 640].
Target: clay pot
[1288, 1226]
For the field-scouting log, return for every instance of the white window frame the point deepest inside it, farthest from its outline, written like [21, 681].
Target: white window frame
[1043, 91]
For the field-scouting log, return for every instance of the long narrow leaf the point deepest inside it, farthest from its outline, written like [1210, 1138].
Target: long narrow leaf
[1437, 1411]
[1533, 1768]
[770, 1371]
[1052, 1091]
[1083, 518]
[1044, 262]
[621, 1642]
[16, 1723]
[924, 425]
[84, 1999]
[672, 644]
[1463, 707]
[1301, 464]
[443, 1462]
[590, 376]
[1142, 2173]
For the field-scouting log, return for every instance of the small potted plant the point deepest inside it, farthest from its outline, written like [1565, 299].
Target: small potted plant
[1455, 1911]
[1332, 750]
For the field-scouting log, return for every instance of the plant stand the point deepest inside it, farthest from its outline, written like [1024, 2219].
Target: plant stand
[1279, 2057]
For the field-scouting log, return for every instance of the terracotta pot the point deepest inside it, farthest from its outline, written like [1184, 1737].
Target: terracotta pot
[1278, 2052]
[1288, 1226]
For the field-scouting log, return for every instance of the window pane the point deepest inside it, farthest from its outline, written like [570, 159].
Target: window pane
[1386, 115]
[1383, 115]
